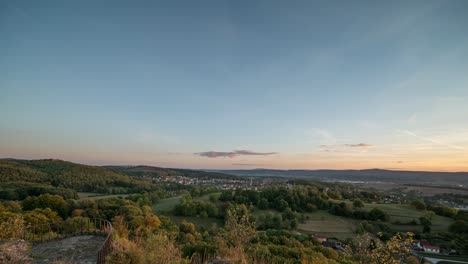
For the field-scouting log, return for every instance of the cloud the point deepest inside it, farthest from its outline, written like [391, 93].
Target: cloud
[233, 154]
[360, 145]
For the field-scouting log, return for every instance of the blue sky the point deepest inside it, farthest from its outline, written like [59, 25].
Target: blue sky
[236, 84]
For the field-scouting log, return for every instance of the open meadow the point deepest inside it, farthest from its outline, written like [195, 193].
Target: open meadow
[99, 196]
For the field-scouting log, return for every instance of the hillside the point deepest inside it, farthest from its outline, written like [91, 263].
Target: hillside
[20, 178]
[64, 174]
[156, 172]
[371, 175]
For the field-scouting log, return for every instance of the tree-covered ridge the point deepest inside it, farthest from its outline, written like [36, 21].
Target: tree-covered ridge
[63, 174]
[15, 171]
[156, 172]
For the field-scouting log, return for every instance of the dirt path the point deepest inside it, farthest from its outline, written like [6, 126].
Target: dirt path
[77, 249]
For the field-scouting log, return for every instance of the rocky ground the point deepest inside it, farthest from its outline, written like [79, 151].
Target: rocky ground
[76, 250]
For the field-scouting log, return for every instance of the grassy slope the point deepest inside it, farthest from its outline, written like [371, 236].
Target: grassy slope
[99, 196]
[405, 213]
[326, 224]
[165, 206]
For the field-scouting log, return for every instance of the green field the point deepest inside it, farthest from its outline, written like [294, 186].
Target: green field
[323, 223]
[328, 225]
[99, 196]
[206, 223]
[206, 197]
[405, 213]
[166, 205]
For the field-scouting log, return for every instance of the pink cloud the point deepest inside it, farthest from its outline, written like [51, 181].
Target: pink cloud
[233, 154]
[360, 145]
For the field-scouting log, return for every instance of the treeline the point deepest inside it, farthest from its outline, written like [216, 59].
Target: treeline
[299, 198]
[157, 172]
[340, 191]
[56, 177]
[189, 207]
[342, 209]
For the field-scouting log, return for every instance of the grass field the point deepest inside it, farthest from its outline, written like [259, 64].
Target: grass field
[206, 197]
[323, 223]
[98, 196]
[404, 213]
[328, 225]
[166, 205]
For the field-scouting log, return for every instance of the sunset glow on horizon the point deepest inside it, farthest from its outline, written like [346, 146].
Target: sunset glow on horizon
[237, 85]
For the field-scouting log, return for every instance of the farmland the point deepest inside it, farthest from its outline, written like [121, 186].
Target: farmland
[326, 224]
[166, 205]
[99, 196]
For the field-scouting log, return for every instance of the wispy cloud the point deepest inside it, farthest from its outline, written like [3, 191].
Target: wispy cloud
[359, 145]
[233, 154]
[436, 142]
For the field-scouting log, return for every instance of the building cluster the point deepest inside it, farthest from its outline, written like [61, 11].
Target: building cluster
[222, 183]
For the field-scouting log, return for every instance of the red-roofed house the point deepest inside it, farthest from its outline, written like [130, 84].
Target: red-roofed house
[428, 247]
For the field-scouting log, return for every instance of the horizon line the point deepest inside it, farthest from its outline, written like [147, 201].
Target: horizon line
[188, 168]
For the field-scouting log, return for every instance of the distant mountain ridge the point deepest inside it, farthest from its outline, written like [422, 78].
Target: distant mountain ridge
[83, 177]
[151, 171]
[367, 175]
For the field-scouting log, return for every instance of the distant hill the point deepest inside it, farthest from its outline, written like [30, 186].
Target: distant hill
[156, 172]
[370, 175]
[59, 173]
[86, 178]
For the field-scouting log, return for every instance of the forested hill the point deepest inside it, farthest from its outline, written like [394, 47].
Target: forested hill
[370, 175]
[22, 178]
[63, 174]
[156, 172]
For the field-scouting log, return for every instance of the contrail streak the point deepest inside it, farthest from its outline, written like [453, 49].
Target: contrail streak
[430, 140]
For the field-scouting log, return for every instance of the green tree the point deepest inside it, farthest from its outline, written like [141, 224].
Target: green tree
[54, 202]
[357, 203]
[419, 204]
[426, 223]
[239, 231]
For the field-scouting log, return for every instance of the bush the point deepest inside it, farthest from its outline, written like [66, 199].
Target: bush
[419, 204]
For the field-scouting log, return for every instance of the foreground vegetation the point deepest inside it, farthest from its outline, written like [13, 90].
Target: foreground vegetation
[165, 223]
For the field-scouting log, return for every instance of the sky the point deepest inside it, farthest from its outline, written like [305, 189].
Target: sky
[236, 84]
